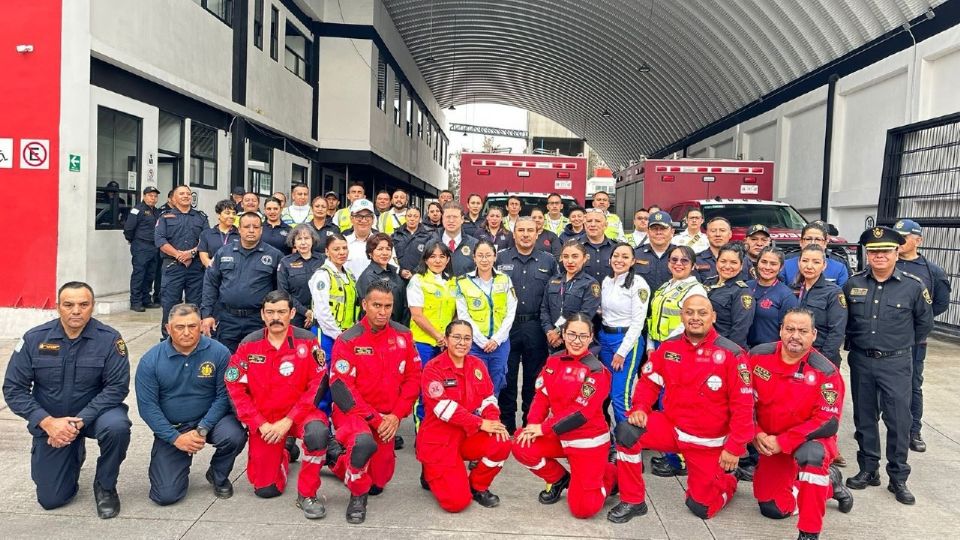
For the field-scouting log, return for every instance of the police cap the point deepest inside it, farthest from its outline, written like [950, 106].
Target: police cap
[237, 191]
[659, 218]
[150, 189]
[758, 228]
[876, 238]
[908, 226]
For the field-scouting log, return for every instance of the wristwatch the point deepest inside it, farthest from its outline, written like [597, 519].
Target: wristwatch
[203, 431]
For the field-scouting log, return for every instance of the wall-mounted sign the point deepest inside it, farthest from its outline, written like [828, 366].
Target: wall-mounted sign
[34, 153]
[6, 153]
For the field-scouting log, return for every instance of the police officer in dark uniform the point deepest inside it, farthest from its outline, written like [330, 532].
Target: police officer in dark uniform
[138, 230]
[530, 270]
[68, 378]
[275, 231]
[570, 290]
[890, 310]
[241, 274]
[409, 241]
[732, 300]
[324, 226]
[177, 235]
[827, 303]
[719, 234]
[599, 246]
[935, 279]
[652, 257]
[182, 397]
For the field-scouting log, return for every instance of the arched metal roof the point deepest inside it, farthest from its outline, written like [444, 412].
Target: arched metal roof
[571, 60]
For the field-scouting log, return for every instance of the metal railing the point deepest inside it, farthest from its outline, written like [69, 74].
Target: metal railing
[921, 181]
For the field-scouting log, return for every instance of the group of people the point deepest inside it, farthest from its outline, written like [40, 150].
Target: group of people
[332, 325]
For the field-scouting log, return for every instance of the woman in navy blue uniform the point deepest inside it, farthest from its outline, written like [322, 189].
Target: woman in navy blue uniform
[825, 299]
[772, 297]
[570, 291]
[493, 230]
[730, 296]
[296, 270]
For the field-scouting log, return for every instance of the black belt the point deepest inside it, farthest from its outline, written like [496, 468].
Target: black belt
[526, 318]
[615, 329]
[873, 353]
[241, 312]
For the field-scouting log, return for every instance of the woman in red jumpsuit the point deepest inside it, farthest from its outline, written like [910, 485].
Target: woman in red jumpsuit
[461, 422]
[566, 421]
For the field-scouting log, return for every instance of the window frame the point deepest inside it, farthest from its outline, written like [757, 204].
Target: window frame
[131, 194]
[274, 33]
[258, 24]
[251, 173]
[227, 17]
[299, 60]
[202, 160]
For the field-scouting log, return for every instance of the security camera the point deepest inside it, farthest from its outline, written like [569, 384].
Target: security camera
[24, 48]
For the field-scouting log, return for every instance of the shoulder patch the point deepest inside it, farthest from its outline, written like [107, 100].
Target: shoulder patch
[746, 301]
[742, 284]
[917, 278]
[728, 345]
[353, 332]
[761, 372]
[121, 346]
[595, 289]
[399, 327]
[820, 363]
[842, 299]
[926, 296]
[301, 333]
[592, 362]
[764, 348]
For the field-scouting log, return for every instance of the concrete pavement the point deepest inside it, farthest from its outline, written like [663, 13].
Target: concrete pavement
[406, 511]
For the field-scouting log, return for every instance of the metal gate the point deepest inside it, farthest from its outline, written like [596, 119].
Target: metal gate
[921, 181]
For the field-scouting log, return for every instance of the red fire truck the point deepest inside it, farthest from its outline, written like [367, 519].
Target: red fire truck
[488, 174]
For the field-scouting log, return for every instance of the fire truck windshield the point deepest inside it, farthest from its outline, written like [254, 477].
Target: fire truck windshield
[745, 215]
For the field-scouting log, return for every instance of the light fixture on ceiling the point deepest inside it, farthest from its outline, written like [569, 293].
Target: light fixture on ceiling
[464, 133]
[606, 113]
[644, 68]
[451, 107]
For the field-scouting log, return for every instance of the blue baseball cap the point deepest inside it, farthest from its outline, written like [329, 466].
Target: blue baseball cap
[660, 218]
[908, 226]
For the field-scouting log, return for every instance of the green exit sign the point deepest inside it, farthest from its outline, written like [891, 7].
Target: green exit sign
[73, 162]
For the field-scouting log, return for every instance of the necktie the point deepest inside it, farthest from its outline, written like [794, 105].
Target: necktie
[452, 244]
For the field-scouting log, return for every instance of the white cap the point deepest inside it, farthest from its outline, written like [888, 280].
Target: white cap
[360, 205]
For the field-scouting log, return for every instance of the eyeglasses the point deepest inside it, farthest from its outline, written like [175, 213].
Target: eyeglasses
[484, 256]
[679, 260]
[582, 338]
[816, 239]
[363, 216]
[459, 339]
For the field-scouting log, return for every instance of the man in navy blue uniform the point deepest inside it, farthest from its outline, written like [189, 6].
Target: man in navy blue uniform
[182, 396]
[599, 247]
[67, 378]
[138, 230]
[241, 274]
[935, 279]
[177, 235]
[652, 256]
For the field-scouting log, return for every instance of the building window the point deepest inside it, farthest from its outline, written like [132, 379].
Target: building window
[260, 167]
[409, 112]
[381, 82]
[419, 123]
[221, 9]
[119, 138]
[396, 101]
[274, 32]
[297, 56]
[169, 150]
[203, 156]
[298, 175]
[258, 24]
[429, 132]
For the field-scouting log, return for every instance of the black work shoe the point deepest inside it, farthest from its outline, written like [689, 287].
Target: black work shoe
[657, 460]
[624, 512]
[917, 444]
[357, 509]
[423, 482]
[554, 490]
[900, 490]
[808, 536]
[293, 449]
[612, 454]
[863, 479]
[398, 443]
[138, 308]
[664, 469]
[312, 507]
[108, 502]
[223, 491]
[840, 492]
[375, 490]
[485, 498]
[334, 451]
[153, 305]
[744, 473]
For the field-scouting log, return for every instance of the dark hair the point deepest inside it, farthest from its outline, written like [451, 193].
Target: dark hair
[73, 285]
[486, 225]
[696, 209]
[771, 249]
[577, 209]
[719, 218]
[357, 183]
[577, 317]
[382, 191]
[375, 240]
[801, 311]
[814, 247]
[297, 231]
[270, 200]
[331, 238]
[435, 203]
[314, 200]
[378, 286]
[454, 323]
[536, 209]
[652, 206]
[554, 195]
[485, 242]
[277, 296]
[428, 250]
[514, 198]
[814, 226]
[452, 205]
[224, 205]
[401, 190]
[638, 210]
[255, 194]
[477, 195]
[734, 247]
[250, 214]
[298, 186]
[628, 281]
[445, 191]
[170, 193]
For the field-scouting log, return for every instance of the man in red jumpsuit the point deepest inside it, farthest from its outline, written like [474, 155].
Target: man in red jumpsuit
[707, 415]
[461, 422]
[374, 380]
[799, 398]
[274, 380]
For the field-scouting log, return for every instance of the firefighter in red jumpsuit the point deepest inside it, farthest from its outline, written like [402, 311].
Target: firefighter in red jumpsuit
[274, 380]
[566, 421]
[374, 381]
[707, 415]
[799, 398]
[461, 422]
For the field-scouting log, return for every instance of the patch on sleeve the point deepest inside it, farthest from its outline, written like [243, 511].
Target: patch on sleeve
[746, 300]
[843, 300]
[830, 396]
[320, 357]
[587, 390]
[539, 383]
[744, 374]
[121, 347]
[435, 389]
[926, 296]
[19, 346]
[232, 374]
[478, 374]
[761, 372]
[595, 289]
[643, 294]
[342, 366]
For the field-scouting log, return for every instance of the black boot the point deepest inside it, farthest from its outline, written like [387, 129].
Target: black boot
[840, 492]
[423, 481]
[624, 512]
[664, 469]
[863, 479]
[917, 444]
[744, 473]
[375, 490]
[903, 494]
[293, 449]
[808, 536]
[108, 502]
[398, 443]
[334, 451]
[485, 498]
[554, 490]
[357, 509]
[224, 490]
